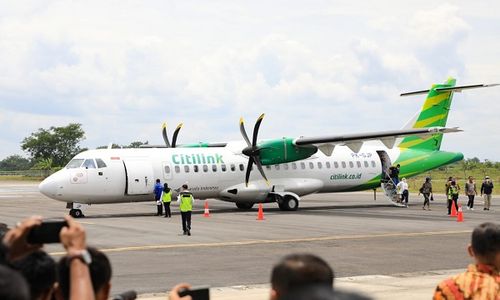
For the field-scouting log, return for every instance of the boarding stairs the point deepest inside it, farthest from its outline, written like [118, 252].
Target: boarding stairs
[389, 188]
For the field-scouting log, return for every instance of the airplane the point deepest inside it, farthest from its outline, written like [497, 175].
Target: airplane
[288, 168]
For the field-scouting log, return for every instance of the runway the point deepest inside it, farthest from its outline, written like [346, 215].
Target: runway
[355, 234]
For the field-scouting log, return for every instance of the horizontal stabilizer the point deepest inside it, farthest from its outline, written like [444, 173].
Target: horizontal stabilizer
[457, 89]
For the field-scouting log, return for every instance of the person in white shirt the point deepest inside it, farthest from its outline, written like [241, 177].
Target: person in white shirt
[402, 189]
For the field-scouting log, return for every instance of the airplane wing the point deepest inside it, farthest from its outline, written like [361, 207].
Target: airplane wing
[354, 141]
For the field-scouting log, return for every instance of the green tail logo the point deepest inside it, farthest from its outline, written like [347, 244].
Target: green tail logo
[434, 112]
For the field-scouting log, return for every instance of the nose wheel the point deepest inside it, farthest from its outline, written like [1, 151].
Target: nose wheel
[76, 213]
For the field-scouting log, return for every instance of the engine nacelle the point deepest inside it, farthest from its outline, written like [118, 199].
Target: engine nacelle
[283, 150]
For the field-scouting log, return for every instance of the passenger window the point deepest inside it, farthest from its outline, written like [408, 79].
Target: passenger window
[373, 164]
[366, 164]
[358, 163]
[205, 168]
[233, 168]
[351, 164]
[214, 168]
[195, 168]
[328, 165]
[167, 169]
[100, 163]
[311, 165]
[277, 167]
[223, 167]
[320, 165]
[336, 164]
[186, 168]
[294, 166]
[302, 165]
[177, 169]
[89, 164]
[268, 167]
[242, 167]
[344, 165]
[285, 166]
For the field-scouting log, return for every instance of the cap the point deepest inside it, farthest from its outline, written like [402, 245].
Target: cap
[487, 177]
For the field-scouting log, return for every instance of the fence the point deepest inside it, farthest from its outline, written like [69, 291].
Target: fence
[28, 173]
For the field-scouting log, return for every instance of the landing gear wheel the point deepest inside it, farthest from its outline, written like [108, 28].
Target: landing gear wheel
[245, 206]
[76, 213]
[289, 204]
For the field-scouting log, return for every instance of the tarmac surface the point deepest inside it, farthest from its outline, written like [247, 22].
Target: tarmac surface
[384, 251]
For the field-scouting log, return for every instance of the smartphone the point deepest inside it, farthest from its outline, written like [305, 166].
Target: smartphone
[47, 232]
[196, 293]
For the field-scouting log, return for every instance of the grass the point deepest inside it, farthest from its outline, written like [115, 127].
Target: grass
[440, 177]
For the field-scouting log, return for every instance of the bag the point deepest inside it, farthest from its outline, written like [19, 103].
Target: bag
[421, 190]
[432, 197]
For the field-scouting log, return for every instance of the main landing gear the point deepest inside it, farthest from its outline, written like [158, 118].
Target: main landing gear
[288, 203]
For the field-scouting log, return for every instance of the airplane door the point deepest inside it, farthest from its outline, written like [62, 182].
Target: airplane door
[385, 161]
[139, 174]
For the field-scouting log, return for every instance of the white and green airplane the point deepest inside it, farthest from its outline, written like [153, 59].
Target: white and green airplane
[288, 168]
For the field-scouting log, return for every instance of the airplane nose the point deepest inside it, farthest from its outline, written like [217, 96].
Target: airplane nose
[48, 187]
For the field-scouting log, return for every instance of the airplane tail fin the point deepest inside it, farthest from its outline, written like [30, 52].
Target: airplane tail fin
[434, 113]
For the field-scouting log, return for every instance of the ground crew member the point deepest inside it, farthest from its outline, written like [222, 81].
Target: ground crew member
[157, 191]
[186, 201]
[453, 191]
[166, 198]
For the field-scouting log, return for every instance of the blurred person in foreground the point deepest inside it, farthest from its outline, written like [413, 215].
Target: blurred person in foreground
[14, 246]
[482, 279]
[39, 270]
[100, 274]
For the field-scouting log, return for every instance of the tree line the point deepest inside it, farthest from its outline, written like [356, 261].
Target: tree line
[52, 148]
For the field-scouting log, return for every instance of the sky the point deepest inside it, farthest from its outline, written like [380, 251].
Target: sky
[122, 68]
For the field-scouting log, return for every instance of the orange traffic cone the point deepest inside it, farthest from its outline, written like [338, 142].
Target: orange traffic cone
[206, 214]
[460, 215]
[453, 209]
[260, 215]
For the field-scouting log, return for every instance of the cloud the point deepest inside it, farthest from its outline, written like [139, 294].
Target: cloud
[319, 68]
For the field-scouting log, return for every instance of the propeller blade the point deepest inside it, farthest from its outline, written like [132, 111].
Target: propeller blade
[256, 130]
[243, 132]
[249, 169]
[261, 170]
[176, 133]
[164, 134]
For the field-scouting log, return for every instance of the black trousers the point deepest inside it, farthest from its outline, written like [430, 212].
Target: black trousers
[159, 209]
[405, 197]
[471, 201]
[186, 220]
[454, 198]
[426, 199]
[167, 209]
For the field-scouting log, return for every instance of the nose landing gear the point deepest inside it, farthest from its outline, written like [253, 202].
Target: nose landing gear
[75, 210]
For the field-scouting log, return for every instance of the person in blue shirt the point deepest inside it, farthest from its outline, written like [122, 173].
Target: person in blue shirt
[157, 191]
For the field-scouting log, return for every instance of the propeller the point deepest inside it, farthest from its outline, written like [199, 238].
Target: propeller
[174, 137]
[252, 150]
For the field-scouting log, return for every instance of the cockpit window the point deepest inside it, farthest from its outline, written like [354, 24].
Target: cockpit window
[89, 164]
[100, 163]
[74, 163]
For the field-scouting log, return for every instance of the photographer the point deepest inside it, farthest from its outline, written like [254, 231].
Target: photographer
[15, 246]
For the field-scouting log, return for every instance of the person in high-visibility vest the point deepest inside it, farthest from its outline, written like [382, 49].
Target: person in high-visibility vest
[166, 198]
[453, 192]
[186, 201]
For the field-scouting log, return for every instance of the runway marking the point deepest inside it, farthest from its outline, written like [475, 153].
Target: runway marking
[282, 241]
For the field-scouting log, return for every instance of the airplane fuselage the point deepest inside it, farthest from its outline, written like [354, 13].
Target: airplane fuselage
[128, 175]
